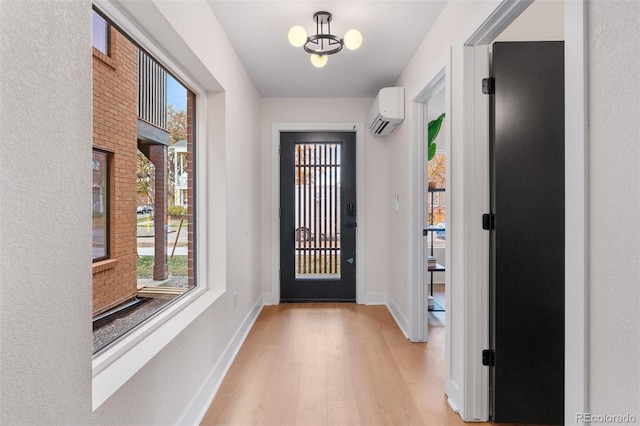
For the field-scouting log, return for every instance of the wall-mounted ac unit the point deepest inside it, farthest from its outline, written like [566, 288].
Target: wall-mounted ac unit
[387, 111]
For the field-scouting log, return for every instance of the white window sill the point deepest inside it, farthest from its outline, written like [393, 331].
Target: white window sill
[117, 364]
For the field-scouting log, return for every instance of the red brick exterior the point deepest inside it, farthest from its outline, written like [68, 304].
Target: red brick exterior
[115, 131]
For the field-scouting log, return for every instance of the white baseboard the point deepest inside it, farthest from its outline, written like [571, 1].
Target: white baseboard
[400, 319]
[452, 404]
[452, 392]
[200, 403]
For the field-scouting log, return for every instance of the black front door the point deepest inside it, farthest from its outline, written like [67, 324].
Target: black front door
[527, 286]
[317, 216]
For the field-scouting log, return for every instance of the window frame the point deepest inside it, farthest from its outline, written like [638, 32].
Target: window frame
[113, 366]
[107, 33]
[107, 202]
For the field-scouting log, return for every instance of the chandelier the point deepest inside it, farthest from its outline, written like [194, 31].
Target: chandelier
[323, 43]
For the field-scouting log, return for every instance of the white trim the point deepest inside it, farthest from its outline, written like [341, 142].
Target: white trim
[396, 313]
[419, 315]
[200, 403]
[453, 405]
[276, 128]
[475, 291]
[452, 392]
[492, 19]
[576, 213]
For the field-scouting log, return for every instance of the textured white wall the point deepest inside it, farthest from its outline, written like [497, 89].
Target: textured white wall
[45, 232]
[377, 200]
[614, 198]
[45, 236]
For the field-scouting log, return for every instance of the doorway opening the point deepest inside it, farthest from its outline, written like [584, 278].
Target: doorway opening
[430, 240]
[277, 235]
[318, 216]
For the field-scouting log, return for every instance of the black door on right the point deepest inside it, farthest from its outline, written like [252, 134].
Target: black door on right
[527, 285]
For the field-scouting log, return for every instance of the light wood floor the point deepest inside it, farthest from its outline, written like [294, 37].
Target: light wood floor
[333, 364]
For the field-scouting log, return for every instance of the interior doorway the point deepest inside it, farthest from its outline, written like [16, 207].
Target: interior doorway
[469, 387]
[429, 236]
[527, 234]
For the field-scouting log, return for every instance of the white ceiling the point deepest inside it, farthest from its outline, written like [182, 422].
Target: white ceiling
[391, 30]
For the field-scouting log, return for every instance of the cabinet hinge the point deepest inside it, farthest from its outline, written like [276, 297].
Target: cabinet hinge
[489, 221]
[489, 86]
[488, 357]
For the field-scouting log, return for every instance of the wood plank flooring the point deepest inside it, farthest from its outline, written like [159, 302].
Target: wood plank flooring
[333, 364]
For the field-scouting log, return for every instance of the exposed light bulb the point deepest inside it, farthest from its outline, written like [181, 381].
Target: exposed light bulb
[319, 61]
[352, 39]
[297, 36]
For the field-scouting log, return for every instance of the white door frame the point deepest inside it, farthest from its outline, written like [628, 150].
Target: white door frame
[274, 297]
[438, 79]
[468, 389]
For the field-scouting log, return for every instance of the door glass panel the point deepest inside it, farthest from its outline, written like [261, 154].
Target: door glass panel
[317, 210]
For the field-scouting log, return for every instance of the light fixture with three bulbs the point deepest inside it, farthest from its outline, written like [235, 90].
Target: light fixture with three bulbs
[323, 43]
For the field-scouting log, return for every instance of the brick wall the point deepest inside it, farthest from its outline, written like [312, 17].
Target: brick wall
[115, 131]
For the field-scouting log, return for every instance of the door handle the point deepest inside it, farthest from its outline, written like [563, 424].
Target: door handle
[351, 225]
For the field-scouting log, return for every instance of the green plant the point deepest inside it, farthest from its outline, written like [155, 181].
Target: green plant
[177, 211]
[433, 128]
[178, 265]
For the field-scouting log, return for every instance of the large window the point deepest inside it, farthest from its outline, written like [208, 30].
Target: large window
[100, 205]
[100, 34]
[143, 138]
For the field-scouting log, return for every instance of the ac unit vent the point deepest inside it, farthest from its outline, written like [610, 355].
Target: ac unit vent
[378, 125]
[387, 111]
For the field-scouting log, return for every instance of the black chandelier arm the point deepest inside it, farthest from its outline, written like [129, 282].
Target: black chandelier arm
[318, 40]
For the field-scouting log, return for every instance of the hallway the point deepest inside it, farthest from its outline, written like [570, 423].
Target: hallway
[333, 364]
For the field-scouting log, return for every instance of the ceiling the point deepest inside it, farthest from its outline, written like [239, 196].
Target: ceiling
[391, 30]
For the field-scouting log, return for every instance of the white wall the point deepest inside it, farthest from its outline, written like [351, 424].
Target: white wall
[45, 237]
[542, 21]
[427, 61]
[614, 200]
[378, 199]
[454, 17]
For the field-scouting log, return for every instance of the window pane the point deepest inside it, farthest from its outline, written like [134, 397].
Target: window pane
[100, 204]
[161, 224]
[100, 33]
[317, 210]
